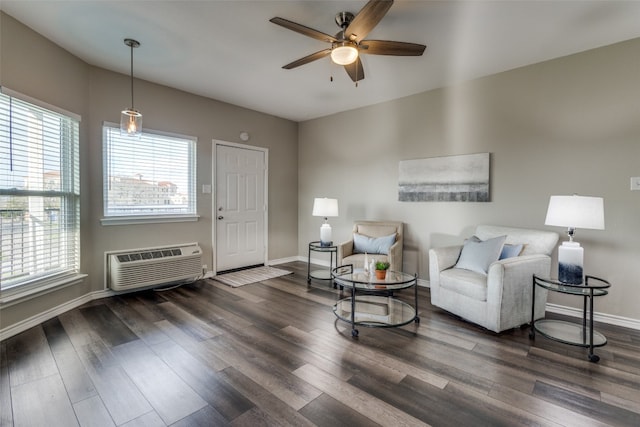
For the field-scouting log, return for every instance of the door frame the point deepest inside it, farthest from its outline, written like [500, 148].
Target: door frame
[214, 197]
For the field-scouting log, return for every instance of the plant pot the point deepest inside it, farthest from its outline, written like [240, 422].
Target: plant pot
[381, 274]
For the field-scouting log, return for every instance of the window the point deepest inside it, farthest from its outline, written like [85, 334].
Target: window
[39, 194]
[147, 178]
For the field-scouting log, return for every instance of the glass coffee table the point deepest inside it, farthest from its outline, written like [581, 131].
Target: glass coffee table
[372, 303]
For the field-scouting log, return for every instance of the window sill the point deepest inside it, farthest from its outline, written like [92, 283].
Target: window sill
[23, 293]
[131, 220]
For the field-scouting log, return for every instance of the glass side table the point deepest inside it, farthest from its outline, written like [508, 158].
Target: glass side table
[582, 335]
[333, 259]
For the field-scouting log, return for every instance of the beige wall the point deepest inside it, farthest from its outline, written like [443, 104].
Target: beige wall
[34, 66]
[565, 126]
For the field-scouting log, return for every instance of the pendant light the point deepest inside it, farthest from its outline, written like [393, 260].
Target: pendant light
[131, 119]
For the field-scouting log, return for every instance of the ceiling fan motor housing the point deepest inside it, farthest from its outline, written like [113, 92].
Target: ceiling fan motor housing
[343, 19]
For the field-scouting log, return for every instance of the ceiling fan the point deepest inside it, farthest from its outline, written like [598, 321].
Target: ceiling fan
[349, 43]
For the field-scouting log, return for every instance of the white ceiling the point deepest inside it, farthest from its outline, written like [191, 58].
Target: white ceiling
[229, 51]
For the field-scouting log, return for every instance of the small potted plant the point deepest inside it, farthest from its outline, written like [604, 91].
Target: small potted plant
[381, 269]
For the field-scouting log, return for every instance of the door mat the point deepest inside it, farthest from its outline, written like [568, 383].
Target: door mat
[252, 275]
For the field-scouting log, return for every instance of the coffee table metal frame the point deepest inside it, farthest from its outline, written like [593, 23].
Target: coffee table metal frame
[374, 292]
[570, 332]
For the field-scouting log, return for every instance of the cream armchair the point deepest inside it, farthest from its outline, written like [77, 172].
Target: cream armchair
[501, 298]
[374, 229]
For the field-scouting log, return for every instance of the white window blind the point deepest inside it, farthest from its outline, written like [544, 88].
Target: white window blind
[150, 176]
[39, 194]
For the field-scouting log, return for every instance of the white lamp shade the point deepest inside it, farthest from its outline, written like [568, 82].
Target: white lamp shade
[576, 212]
[325, 207]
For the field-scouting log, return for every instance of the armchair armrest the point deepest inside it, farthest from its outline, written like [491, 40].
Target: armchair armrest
[440, 259]
[443, 258]
[344, 250]
[509, 283]
[395, 256]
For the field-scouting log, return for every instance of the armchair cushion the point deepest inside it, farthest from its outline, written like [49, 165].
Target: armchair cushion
[372, 245]
[465, 282]
[477, 255]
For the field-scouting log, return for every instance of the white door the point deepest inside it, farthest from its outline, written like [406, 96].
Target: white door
[240, 209]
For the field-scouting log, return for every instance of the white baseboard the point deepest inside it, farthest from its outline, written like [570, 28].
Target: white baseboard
[39, 318]
[285, 260]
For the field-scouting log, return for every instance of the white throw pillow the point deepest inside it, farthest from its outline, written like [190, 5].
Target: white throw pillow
[478, 255]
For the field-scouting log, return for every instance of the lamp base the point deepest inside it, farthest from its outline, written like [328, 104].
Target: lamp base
[325, 235]
[570, 263]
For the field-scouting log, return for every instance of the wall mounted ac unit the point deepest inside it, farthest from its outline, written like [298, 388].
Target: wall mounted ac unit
[146, 267]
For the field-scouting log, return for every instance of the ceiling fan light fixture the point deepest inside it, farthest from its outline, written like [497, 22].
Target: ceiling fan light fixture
[344, 53]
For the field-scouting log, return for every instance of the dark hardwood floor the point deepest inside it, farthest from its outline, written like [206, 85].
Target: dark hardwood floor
[273, 354]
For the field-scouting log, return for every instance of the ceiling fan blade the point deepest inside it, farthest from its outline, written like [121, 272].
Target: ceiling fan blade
[387, 47]
[308, 58]
[298, 28]
[367, 18]
[355, 70]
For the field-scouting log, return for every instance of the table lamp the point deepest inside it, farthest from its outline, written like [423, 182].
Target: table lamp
[574, 212]
[325, 207]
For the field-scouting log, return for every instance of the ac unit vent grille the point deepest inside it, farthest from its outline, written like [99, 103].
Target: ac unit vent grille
[137, 268]
[158, 253]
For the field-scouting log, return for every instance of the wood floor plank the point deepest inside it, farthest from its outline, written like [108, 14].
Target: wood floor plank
[75, 377]
[6, 412]
[325, 411]
[220, 396]
[278, 380]
[239, 292]
[29, 357]
[203, 309]
[270, 408]
[202, 350]
[549, 410]
[591, 407]
[366, 404]
[111, 329]
[150, 419]
[119, 394]
[142, 327]
[92, 412]
[167, 393]
[273, 354]
[581, 372]
[205, 417]
[53, 406]
[383, 359]
[190, 324]
[318, 354]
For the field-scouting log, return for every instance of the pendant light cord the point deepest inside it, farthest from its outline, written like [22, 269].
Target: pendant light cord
[131, 47]
[132, 44]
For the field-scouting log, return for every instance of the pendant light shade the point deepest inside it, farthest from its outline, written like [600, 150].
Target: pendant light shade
[130, 118]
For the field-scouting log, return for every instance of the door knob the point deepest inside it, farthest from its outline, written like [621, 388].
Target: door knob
[220, 217]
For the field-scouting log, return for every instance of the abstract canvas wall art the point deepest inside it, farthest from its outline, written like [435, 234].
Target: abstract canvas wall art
[463, 178]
